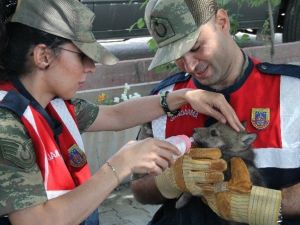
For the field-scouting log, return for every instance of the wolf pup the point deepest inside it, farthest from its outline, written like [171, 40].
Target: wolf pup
[231, 144]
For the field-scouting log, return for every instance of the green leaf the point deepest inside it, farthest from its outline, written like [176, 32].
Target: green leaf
[152, 45]
[245, 38]
[234, 24]
[141, 23]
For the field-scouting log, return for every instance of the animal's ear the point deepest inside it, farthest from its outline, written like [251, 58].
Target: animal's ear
[248, 139]
[197, 129]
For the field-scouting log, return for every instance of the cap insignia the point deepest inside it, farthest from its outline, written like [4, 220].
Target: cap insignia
[162, 29]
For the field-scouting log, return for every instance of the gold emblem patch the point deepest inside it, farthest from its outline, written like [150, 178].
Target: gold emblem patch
[260, 117]
[76, 156]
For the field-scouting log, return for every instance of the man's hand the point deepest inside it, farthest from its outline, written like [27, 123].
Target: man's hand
[193, 172]
[214, 105]
[237, 200]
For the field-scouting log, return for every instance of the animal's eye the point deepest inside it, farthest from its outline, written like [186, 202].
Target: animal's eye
[214, 133]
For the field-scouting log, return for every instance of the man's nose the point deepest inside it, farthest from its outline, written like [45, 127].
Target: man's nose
[190, 62]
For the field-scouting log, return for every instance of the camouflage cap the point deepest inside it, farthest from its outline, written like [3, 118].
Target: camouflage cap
[69, 19]
[174, 25]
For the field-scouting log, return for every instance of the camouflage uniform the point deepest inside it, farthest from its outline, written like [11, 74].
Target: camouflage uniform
[21, 183]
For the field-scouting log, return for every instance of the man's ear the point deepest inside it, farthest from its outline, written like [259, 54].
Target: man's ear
[41, 56]
[222, 20]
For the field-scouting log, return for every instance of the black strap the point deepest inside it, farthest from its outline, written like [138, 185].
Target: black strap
[173, 79]
[279, 69]
[15, 102]
[54, 124]
[4, 221]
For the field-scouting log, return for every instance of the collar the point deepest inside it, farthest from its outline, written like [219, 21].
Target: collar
[247, 68]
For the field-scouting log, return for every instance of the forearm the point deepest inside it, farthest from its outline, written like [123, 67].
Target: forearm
[291, 201]
[136, 111]
[73, 207]
[146, 192]
[142, 110]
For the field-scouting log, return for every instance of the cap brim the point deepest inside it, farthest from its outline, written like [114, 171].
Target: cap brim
[174, 50]
[97, 52]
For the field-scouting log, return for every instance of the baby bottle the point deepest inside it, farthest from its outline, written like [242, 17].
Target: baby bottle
[182, 142]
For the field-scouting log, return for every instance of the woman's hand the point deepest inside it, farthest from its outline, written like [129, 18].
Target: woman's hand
[148, 156]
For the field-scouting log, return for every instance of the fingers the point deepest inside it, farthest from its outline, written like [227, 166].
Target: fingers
[240, 179]
[238, 169]
[166, 152]
[152, 156]
[205, 153]
[162, 163]
[164, 145]
[204, 164]
[205, 177]
[202, 189]
[231, 117]
[214, 105]
[224, 112]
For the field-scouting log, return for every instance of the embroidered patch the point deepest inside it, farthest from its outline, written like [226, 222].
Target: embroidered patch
[76, 156]
[260, 117]
[21, 154]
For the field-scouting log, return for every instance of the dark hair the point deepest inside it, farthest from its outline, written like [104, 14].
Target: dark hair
[19, 40]
[7, 8]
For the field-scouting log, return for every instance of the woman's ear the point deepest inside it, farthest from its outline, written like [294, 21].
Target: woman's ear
[222, 20]
[41, 56]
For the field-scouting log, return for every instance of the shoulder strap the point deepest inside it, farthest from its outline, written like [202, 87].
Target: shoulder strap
[279, 69]
[173, 79]
[15, 102]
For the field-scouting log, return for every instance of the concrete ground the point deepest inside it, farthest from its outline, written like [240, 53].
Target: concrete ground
[120, 208]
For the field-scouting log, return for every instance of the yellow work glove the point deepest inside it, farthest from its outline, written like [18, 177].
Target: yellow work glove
[193, 172]
[237, 200]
